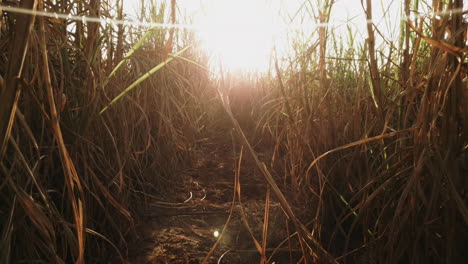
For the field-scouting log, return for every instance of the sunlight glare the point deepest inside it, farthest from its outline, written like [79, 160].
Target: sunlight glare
[238, 34]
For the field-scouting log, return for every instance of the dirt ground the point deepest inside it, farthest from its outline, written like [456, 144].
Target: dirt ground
[183, 230]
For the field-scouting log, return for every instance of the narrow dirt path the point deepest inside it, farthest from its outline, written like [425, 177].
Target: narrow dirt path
[184, 231]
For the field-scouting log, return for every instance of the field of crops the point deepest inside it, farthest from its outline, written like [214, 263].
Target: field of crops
[123, 141]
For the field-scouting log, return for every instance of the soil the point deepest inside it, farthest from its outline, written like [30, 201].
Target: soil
[183, 230]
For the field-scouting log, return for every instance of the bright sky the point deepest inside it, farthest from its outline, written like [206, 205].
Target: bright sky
[241, 34]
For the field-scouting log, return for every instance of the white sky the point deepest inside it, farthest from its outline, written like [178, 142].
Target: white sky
[247, 30]
[343, 10]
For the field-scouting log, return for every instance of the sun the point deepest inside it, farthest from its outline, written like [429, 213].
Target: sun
[239, 35]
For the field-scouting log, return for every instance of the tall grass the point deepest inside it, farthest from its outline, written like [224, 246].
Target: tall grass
[374, 154]
[368, 145]
[71, 179]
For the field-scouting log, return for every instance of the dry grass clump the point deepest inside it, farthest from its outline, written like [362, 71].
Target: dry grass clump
[71, 179]
[372, 144]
